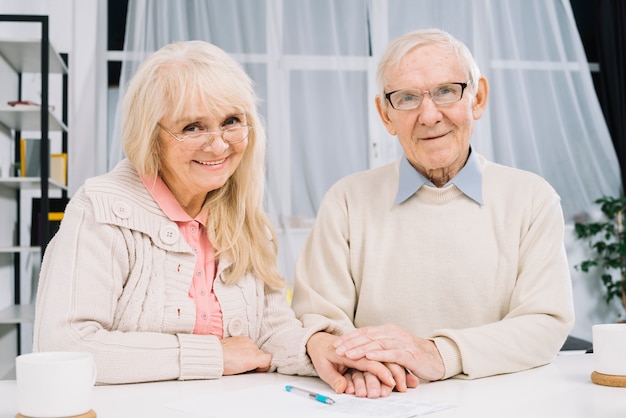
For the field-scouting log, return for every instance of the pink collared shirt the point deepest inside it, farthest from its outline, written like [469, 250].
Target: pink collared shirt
[208, 310]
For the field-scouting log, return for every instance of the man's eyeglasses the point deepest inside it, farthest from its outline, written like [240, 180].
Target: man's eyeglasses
[201, 138]
[440, 95]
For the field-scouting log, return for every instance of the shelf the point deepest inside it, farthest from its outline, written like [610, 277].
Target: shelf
[20, 249]
[23, 183]
[24, 56]
[28, 118]
[17, 314]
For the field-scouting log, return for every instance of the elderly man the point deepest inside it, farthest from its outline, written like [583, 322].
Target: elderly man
[441, 264]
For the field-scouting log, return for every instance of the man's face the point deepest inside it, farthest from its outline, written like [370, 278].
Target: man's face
[435, 138]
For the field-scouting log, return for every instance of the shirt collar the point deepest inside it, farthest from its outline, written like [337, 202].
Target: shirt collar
[468, 180]
[165, 199]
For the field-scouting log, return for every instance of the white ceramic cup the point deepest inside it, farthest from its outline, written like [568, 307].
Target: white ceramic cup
[54, 384]
[609, 348]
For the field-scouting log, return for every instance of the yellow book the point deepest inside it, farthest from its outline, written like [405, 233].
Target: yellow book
[58, 168]
[55, 216]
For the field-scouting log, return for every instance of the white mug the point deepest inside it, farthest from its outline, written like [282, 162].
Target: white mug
[609, 348]
[54, 384]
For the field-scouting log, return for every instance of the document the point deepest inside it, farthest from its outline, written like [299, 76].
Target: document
[274, 401]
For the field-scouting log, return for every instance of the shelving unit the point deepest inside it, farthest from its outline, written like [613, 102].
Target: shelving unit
[32, 56]
[27, 119]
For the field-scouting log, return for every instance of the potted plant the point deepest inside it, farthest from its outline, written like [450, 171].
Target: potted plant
[607, 240]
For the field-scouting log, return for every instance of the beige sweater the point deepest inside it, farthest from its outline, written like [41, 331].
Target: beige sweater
[115, 282]
[490, 284]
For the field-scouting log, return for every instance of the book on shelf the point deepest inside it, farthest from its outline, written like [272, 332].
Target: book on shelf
[30, 157]
[58, 168]
[26, 104]
[30, 161]
[56, 209]
[21, 103]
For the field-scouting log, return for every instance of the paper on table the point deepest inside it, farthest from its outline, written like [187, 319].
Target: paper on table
[274, 401]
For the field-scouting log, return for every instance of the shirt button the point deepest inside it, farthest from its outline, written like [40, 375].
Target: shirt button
[121, 210]
[235, 327]
[199, 273]
[202, 292]
[169, 234]
[205, 316]
[193, 229]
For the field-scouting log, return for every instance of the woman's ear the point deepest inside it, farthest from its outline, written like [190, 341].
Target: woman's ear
[480, 100]
[384, 116]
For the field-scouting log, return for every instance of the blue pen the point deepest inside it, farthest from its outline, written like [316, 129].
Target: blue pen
[311, 395]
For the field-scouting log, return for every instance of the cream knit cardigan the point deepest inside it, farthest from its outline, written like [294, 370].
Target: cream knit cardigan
[115, 282]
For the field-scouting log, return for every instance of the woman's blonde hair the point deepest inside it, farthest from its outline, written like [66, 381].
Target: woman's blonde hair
[402, 45]
[165, 83]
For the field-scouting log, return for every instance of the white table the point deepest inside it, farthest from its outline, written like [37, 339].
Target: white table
[560, 389]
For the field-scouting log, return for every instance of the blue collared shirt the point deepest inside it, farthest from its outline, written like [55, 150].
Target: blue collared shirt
[468, 180]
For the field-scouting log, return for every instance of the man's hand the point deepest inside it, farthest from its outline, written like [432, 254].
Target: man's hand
[391, 344]
[331, 367]
[242, 355]
[363, 384]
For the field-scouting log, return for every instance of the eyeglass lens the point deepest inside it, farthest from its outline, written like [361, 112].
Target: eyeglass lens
[442, 94]
[230, 136]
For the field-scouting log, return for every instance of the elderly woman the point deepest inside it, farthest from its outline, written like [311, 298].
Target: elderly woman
[165, 268]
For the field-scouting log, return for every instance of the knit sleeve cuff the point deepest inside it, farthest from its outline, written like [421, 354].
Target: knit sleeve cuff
[451, 356]
[200, 357]
[294, 358]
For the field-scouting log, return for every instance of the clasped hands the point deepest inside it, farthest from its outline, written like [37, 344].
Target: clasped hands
[373, 361]
[367, 362]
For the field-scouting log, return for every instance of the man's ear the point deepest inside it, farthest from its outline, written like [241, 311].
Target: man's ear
[384, 116]
[480, 100]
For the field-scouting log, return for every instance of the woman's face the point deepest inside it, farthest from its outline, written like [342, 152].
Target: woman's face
[193, 167]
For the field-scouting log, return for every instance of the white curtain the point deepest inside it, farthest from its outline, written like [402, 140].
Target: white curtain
[314, 61]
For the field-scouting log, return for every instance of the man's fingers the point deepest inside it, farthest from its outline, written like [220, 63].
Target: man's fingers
[378, 369]
[358, 379]
[358, 342]
[399, 376]
[411, 380]
[373, 386]
[350, 390]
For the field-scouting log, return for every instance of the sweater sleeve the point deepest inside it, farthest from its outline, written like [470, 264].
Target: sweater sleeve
[284, 337]
[540, 312]
[324, 287]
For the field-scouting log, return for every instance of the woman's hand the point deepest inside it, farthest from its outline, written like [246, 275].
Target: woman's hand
[331, 366]
[242, 355]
